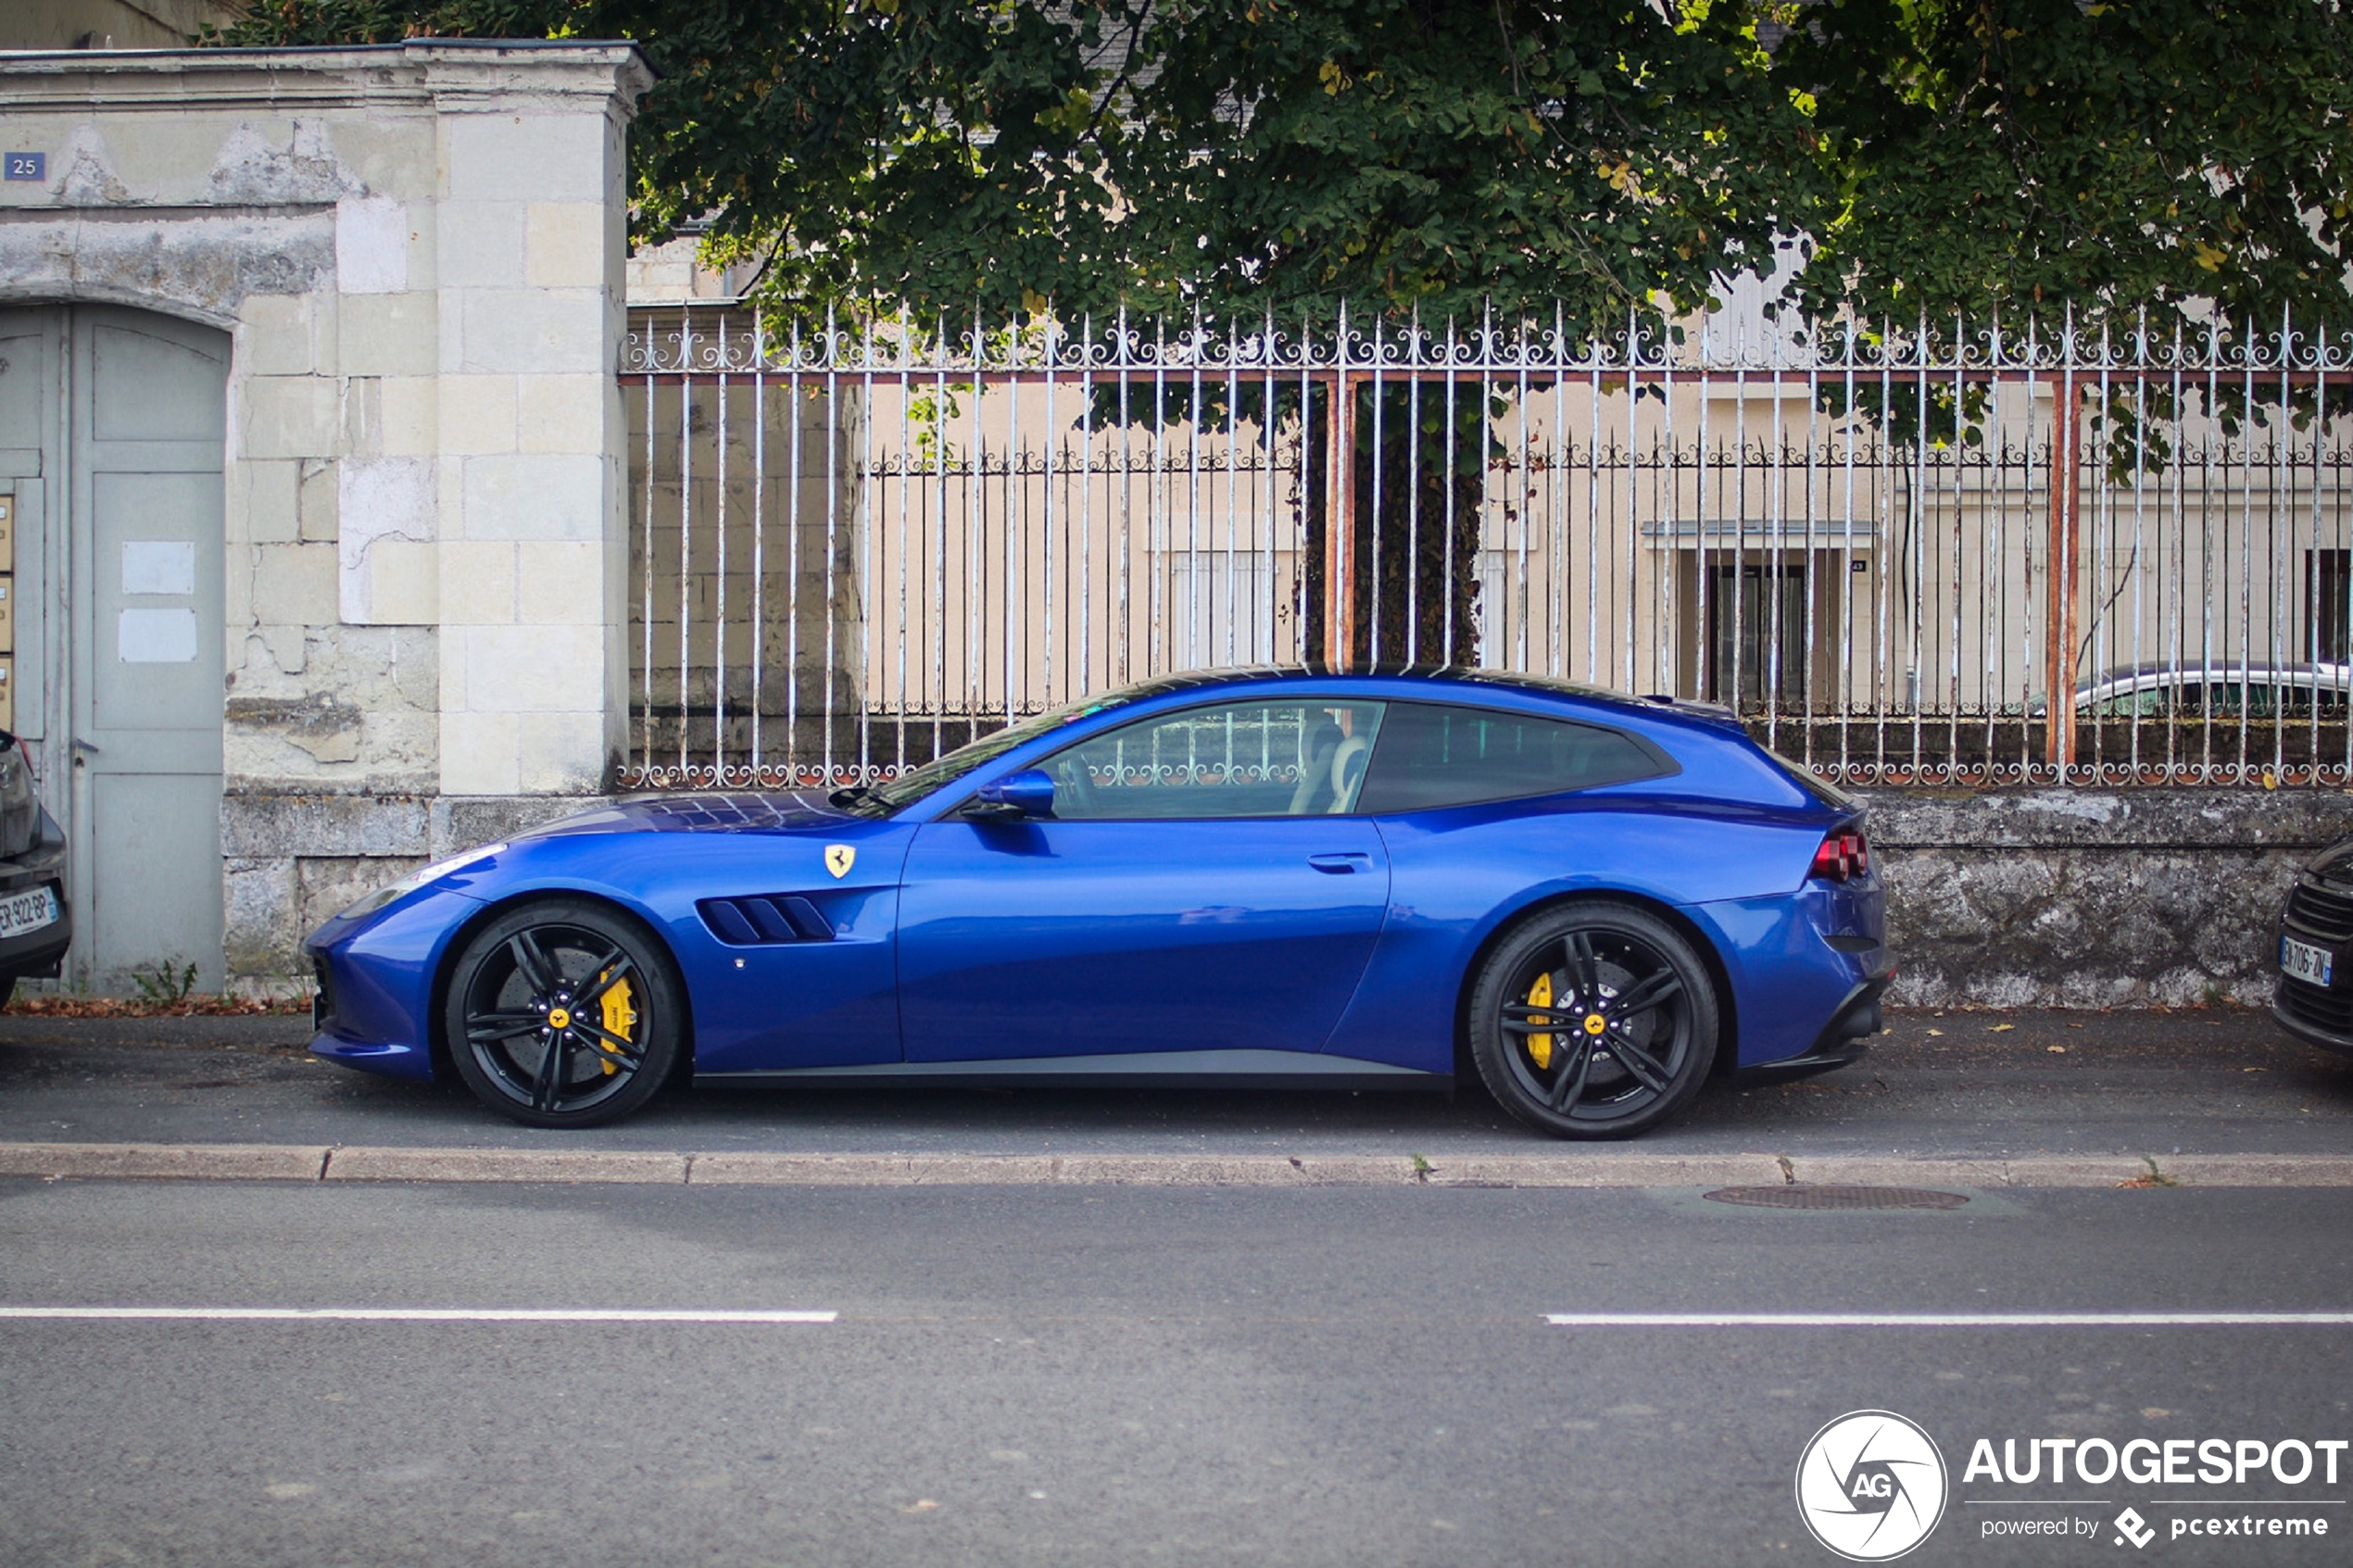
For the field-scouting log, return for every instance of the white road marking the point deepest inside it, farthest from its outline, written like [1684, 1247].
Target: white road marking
[1949, 1320]
[413, 1314]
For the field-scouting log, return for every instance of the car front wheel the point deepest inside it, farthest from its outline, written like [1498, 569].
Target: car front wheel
[1594, 1021]
[564, 1013]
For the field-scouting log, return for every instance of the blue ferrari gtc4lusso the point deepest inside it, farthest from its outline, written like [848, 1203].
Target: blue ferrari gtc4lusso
[1273, 876]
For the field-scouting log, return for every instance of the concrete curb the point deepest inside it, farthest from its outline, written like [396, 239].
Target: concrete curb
[241, 1162]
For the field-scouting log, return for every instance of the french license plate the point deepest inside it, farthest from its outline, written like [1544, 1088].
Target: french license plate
[20, 913]
[2302, 960]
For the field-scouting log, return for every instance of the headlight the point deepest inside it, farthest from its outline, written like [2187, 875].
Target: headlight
[414, 880]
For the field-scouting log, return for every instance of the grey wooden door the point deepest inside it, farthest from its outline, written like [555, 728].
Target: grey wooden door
[148, 420]
[120, 638]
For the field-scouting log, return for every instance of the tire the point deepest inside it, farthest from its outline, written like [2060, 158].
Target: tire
[1637, 1015]
[617, 1005]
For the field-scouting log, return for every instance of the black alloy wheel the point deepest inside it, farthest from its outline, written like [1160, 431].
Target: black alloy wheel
[1594, 1021]
[564, 1013]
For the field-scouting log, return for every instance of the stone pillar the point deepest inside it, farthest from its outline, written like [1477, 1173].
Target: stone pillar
[530, 240]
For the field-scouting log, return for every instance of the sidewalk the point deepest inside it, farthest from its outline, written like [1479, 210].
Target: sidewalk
[2214, 1097]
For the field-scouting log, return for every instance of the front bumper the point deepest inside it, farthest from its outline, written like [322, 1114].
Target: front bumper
[2315, 1016]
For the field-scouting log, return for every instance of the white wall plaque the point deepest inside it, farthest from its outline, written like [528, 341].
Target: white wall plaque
[156, 636]
[158, 566]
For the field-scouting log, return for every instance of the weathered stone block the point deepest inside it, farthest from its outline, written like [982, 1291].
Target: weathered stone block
[372, 245]
[409, 416]
[388, 334]
[528, 157]
[482, 244]
[478, 582]
[378, 499]
[478, 752]
[537, 669]
[478, 414]
[262, 826]
[537, 331]
[565, 245]
[404, 583]
[563, 413]
[274, 335]
[534, 496]
[557, 581]
[297, 581]
[316, 501]
[259, 914]
[292, 417]
[265, 502]
[560, 753]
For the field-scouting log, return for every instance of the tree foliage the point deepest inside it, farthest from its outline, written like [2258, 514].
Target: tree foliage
[1225, 154]
[2177, 156]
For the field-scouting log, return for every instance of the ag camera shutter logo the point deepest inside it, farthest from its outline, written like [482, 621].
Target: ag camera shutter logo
[1872, 1486]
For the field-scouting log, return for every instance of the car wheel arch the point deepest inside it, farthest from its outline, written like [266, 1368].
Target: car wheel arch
[444, 1069]
[1726, 1006]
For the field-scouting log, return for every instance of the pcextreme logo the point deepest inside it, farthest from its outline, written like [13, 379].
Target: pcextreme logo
[1872, 1486]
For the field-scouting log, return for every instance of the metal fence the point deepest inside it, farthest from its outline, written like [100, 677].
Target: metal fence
[1970, 557]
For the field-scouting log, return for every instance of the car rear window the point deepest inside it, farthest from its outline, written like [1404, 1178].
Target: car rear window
[1430, 755]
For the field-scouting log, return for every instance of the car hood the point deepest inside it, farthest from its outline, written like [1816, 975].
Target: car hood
[714, 812]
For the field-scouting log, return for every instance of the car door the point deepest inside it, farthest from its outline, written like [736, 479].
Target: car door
[1200, 885]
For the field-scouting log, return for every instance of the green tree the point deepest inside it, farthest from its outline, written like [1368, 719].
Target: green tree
[1582, 161]
[2173, 156]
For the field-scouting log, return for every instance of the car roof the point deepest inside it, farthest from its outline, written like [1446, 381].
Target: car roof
[1436, 675]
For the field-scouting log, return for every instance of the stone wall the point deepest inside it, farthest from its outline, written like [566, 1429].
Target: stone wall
[2009, 898]
[2092, 897]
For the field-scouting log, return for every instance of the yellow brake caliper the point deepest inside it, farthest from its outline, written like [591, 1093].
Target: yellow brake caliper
[621, 1017]
[1540, 1046]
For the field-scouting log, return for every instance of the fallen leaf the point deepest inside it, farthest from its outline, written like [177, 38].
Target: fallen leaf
[2004, 1028]
[1936, 1031]
[2060, 1050]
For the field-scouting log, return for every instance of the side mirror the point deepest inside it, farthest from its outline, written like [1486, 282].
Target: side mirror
[1030, 793]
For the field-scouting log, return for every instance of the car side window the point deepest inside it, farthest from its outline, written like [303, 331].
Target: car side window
[1298, 759]
[1432, 755]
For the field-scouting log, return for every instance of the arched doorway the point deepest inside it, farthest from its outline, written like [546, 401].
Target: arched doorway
[112, 425]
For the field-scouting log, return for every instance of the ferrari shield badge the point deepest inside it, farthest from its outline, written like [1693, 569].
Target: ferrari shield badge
[839, 858]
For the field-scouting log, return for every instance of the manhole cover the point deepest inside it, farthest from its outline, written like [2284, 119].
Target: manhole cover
[1806, 1195]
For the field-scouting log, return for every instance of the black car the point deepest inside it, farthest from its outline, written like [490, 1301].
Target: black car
[35, 925]
[2314, 999]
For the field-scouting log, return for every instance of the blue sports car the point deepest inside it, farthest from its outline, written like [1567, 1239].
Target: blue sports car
[1271, 876]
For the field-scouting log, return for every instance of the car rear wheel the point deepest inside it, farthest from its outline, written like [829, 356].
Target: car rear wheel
[1594, 1021]
[564, 1013]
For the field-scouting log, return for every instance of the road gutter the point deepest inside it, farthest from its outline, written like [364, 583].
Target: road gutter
[299, 1162]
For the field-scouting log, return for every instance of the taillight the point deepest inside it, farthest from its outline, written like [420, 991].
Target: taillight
[1843, 855]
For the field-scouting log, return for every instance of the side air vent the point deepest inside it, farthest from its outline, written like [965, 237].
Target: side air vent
[764, 918]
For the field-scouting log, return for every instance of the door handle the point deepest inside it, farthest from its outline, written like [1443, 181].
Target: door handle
[1342, 865]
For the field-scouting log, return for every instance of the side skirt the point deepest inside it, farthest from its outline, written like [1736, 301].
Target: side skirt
[1188, 1069]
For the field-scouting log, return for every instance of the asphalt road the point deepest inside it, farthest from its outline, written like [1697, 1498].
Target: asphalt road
[1961, 1083]
[1109, 1376]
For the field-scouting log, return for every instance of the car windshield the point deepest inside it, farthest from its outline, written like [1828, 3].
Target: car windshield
[888, 798]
